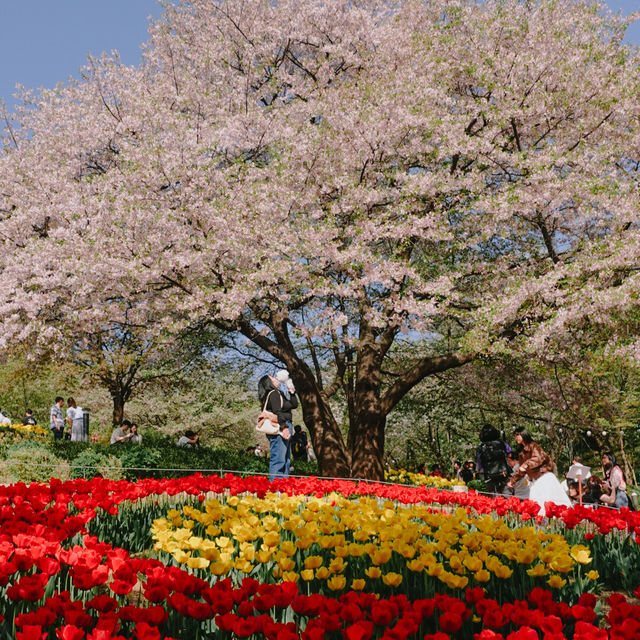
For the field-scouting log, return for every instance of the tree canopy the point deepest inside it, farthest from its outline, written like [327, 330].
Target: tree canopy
[371, 191]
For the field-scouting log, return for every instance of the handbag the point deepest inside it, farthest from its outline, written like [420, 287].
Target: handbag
[268, 422]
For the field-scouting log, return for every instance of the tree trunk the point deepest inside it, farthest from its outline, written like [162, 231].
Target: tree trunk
[118, 407]
[367, 437]
[629, 472]
[326, 437]
[368, 446]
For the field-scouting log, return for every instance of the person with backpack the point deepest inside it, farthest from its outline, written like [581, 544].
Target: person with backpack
[491, 456]
[299, 444]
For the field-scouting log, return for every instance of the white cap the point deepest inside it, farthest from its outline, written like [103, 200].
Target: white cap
[282, 375]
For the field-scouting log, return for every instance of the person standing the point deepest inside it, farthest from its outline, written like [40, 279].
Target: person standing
[537, 465]
[299, 444]
[615, 483]
[492, 459]
[274, 401]
[75, 421]
[56, 420]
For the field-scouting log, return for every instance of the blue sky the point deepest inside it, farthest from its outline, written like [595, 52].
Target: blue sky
[46, 41]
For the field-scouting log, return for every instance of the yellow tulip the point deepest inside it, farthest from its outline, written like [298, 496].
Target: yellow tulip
[307, 575]
[264, 555]
[482, 576]
[503, 572]
[592, 575]
[313, 562]
[581, 554]
[219, 568]
[243, 565]
[181, 556]
[373, 572]
[358, 584]
[322, 573]
[556, 582]
[537, 571]
[473, 563]
[416, 565]
[286, 564]
[197, 563]
[381, 556]
[271, 539]
[392, 579]
[337, 583]
[304, 542]
[290, 576]
[337, 565]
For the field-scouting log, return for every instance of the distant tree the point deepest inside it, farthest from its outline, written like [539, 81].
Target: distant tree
[374, 190]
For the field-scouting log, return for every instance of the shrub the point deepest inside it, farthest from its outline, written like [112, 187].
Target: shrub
[90, 463]
[138, 461]
[477, 485]
[31, 461]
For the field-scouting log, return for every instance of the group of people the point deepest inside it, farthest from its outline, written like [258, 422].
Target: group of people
[528, 472]
[74, 420]
[29, 419]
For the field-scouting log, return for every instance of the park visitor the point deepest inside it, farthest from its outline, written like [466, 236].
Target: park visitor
[75, 421]
[121, 434]
[521, 488]
[189, 440]
[537, 465]
[56, 420]
[491, 455]
[468, 472]
[273, 400]
[615, 484]
[299, 444]
[135, 438]
[29, 419]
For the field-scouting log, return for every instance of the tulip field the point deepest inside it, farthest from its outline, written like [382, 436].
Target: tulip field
[231, 557]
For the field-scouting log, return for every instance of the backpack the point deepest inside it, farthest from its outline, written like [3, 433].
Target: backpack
[493, 457]
[299, 446]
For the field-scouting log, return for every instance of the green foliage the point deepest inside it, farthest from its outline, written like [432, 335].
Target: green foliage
[477, 485]
[9, 437]
[304, 468]
[31, 461]
[27, 385]
[176, 461]
[138, 461]
[90, 463]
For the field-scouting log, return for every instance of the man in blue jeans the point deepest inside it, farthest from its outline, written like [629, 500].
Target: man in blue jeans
[56, 420]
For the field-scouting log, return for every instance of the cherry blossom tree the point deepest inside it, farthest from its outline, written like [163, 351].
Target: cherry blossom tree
[371, 192]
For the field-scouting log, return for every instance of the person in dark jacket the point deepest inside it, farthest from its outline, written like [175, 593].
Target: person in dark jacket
[272, 399]
[491, 456]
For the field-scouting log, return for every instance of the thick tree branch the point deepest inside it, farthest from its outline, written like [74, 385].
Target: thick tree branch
[423, 368]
